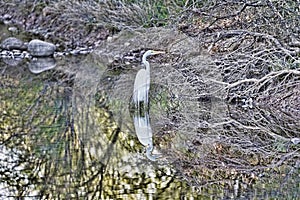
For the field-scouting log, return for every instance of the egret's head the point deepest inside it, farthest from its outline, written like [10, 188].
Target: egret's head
[151, 52]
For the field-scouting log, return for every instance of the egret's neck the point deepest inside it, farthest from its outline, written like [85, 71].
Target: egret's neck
[147, 65]
[145, 57]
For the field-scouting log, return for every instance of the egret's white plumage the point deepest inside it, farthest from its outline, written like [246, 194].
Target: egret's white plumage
[142, 80]
[141, 100]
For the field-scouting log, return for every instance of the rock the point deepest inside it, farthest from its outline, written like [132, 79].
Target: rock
[12, 61]
[13, 29]
[295, 140]
[7, 17]
[39, 65]
[13, 43]
[40, 48]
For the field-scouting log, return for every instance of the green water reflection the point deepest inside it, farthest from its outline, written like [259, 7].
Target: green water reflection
[59, 140]
[66, 133]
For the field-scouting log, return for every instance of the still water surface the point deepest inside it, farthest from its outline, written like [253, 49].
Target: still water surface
[68, 132]
[60, 140]
[62, 137]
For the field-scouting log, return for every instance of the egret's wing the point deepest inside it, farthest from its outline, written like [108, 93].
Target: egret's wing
[141, 87]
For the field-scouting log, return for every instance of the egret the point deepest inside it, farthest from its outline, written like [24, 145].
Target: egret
[142, 80]
[141, 101]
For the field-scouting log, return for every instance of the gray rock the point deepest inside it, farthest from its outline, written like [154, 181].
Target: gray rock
[295, 140]
[40, 48]
[39, 65]
[13, 43]
[13, 29]
[7, 16]
[12, 61]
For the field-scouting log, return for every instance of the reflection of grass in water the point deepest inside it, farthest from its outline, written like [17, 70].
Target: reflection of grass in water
[36, 112]
[16, 98]
[161, 99]
[49, 137]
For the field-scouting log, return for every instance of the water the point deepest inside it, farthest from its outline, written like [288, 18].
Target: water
[59, 141]
[67, 133]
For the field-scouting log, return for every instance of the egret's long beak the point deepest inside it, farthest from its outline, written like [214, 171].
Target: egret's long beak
[158, 52]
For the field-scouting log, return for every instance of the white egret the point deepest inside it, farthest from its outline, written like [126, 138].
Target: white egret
[142, 80]
[141, 101]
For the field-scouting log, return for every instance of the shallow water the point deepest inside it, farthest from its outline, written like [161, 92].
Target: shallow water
[67, 133]
[60, 140]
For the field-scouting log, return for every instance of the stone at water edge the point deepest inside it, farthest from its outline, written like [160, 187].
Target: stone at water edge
[40, 48]
[13, 43]
[39, 65]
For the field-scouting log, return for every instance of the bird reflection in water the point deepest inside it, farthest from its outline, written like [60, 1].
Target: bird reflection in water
[143, 131]
[141, 116]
